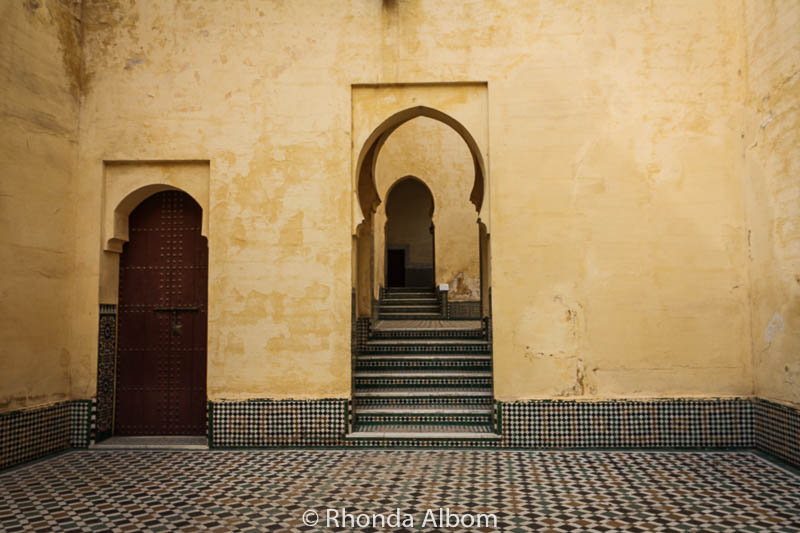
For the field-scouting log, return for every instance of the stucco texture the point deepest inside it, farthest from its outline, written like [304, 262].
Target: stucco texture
[640, 247]
[39, 103]
[772, 179]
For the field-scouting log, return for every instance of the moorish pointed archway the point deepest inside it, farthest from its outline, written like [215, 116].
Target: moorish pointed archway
[419, 374]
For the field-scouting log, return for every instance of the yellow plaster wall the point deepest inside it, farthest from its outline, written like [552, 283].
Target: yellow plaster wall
[436, 154]
[611, 135]
[39, 102]
[772, 182]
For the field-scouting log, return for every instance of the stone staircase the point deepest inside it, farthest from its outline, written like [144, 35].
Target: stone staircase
[419, 377]
[409, 303]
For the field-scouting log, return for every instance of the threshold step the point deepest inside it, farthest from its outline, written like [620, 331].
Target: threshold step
[177, 442]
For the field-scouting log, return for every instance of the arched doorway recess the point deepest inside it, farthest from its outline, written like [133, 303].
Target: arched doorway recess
[410, 244]
[162, 320]
[366, 288]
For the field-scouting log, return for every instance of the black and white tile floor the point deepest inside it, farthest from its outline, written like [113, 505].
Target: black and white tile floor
[147, 490]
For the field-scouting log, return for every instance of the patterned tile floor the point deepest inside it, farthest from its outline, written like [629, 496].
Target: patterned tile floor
[526, 491]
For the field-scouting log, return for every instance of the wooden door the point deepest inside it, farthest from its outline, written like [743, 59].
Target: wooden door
[163, 295]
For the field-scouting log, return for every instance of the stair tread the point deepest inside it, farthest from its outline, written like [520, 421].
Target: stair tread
[428, 410]
[385, 342]
[425, 357]
[424, 432]
[425, 392]
[391, 325]
[398, 313]
[423, 374]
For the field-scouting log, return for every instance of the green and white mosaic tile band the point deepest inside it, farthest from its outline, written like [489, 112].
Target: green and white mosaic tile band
[28, 434]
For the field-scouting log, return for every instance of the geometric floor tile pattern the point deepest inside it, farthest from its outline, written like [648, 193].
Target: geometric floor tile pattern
[270, 490]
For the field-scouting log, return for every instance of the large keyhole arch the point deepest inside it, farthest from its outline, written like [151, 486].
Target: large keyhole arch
[368, 199]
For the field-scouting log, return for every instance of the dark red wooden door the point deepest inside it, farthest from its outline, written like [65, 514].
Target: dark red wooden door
[163, 295]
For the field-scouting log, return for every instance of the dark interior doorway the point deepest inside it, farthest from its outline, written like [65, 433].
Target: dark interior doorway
[163, 296]
[396, 268]
[410, 249]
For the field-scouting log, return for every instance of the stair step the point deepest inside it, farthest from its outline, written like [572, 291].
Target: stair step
[448, 342]
[412, 402]
[423, 431]
[409, 309]
[434, 325]
[422, 347]
[422, 380]
[483, 419]
[417, 364]
[423, 357]
[409, 316]
[426, 374]
[434, 409]
[399, 306]
[441, 334]
[421, 392]
[423, 288]
[410, 298]
[409, 294]
[425, 366]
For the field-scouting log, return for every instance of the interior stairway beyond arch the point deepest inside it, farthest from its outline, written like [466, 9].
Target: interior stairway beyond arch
[420, 377]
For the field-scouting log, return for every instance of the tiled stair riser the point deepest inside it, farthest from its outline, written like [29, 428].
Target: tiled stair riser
[466, 348]
[419, 363]
[428, 334]
[423, 382]
[460, 401]
[423, 419]
[424, 365]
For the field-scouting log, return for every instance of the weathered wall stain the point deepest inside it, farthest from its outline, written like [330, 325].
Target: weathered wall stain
[770, 138]
[629, 187]
[40, 65]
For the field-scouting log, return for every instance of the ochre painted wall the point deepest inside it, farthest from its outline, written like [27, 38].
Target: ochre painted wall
[611, 133]
[771, 145]
[436, 154]
[39, 103]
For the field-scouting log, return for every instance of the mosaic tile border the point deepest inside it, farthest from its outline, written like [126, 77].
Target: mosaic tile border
[777, 430]
[773, 428]
[658, 423]
[29, 434]
[106, 362]
[663, 423]
[277, 423]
